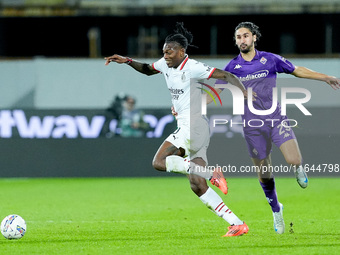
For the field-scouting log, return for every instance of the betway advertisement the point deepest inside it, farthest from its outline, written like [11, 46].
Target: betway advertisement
[92, 124]
[87, 124]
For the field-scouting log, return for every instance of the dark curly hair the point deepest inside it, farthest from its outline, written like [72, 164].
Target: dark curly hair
[252, 28]
[181, 36]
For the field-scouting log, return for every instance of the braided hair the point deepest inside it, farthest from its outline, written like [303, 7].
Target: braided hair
[181, 36]
[252, 28]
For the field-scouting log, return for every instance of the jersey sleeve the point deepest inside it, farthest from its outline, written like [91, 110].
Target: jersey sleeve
[159, 65]
[201, 71]
[282, 65]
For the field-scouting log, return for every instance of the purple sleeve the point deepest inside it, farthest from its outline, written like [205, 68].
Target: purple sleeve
[282, 65]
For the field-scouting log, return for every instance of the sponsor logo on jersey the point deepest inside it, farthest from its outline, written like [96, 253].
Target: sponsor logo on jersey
[237, 66]
[256, 75]
[175, 93]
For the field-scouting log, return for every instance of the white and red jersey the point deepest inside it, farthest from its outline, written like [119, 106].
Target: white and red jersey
[181, 82]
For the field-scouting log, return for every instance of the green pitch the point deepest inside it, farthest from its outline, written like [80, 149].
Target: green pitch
[163, 216]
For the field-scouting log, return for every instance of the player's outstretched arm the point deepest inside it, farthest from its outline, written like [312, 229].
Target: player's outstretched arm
[231, 78]
[228, 77]
[303, 72]
[209, 99]
[143, 68]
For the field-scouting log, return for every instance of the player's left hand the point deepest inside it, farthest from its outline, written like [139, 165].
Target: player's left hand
[333, 82]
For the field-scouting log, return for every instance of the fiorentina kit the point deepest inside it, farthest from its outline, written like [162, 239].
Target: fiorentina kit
[260, 74]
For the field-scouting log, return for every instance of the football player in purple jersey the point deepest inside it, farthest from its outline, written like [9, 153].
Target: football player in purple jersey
[258, 70]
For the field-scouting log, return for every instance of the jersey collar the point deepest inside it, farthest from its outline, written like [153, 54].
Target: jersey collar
[256, 57]
[183, 62]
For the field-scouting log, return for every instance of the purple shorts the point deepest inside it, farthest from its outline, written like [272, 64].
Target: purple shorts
[259, 139]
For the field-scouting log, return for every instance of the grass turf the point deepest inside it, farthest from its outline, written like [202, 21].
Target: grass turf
[163, 216]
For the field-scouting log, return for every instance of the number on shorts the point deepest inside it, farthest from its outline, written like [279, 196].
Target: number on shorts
[283, 129]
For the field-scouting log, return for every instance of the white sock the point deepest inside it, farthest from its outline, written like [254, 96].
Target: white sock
[215, 203]
[177, 164]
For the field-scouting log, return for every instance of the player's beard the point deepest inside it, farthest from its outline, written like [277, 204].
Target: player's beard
[244, 48]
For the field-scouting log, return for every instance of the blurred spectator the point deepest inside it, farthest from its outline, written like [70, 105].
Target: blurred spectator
[131, 122]
[123, 119]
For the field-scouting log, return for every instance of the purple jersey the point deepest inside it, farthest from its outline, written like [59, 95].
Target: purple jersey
[260, 74]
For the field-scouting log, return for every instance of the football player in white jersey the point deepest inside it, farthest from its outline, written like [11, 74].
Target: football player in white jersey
[184, 151]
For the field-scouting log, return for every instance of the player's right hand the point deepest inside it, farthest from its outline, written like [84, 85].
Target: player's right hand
[333, 82]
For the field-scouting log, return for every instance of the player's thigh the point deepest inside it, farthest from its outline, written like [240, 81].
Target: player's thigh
[180, 138]
[199, 140]
[284, 138]
[166, 149]
[291, 152]
[199, 134]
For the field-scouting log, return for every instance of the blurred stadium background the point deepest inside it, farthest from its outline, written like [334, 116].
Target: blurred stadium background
[54, 87]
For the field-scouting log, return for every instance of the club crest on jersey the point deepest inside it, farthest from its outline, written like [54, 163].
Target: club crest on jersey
[183, 77]
[263, 60]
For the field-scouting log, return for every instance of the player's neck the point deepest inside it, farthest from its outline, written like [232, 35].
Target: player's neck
[249, 55]
[180, 61]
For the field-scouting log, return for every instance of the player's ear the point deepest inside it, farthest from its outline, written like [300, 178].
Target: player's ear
[182, 52]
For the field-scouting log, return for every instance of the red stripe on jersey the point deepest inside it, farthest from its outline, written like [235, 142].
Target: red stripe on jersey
[211, 73]
[187, 58]
[153, 66]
